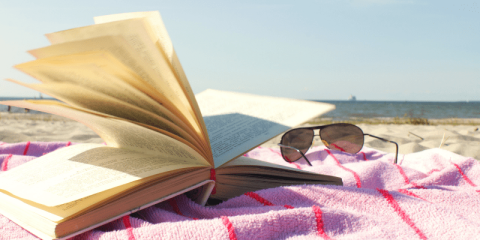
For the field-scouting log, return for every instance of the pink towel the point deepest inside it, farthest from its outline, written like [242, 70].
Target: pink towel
[433, 194]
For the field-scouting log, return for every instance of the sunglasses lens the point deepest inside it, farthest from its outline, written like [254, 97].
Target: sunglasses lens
[300, 139]
[343, 137]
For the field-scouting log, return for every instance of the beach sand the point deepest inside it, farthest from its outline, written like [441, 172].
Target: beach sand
[460, 139]
[23, 127]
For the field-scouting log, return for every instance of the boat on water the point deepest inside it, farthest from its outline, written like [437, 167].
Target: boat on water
[352, 98]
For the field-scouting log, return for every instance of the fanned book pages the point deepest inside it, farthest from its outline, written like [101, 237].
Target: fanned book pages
[122, 78]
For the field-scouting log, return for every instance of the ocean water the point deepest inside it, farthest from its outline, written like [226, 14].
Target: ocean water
[389, 109]
[4, 108]
[379, 109]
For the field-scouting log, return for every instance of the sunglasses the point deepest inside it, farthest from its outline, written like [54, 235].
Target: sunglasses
[343, 137]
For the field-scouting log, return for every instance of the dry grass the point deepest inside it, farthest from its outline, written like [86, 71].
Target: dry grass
[410, 120]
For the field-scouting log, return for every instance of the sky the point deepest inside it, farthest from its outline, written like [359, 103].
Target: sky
[380, 50]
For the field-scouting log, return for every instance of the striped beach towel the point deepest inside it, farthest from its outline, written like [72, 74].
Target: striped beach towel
[433, 194]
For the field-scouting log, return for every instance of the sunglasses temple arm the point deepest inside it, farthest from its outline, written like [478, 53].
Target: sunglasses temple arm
[306, 159]
[385, 140]
[303, 155]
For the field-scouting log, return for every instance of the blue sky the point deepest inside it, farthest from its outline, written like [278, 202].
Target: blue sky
[373, 49]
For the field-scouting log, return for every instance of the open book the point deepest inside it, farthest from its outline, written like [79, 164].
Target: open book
[122, 78]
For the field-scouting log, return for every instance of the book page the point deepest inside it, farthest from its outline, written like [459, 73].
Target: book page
[117, 46]
[246, 174]
[159, 32]
[82, 170]
[120, 133]
[70, 210]
[155, 22]
[68, 54]
[101, 72]
[238, 122]
[245, 165]
[80, 97]
[135, 33]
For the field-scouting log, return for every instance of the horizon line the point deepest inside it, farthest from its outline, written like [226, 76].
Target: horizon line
[316, 100]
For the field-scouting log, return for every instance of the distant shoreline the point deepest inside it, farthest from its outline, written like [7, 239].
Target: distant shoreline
[25, 98]
[314, 100]
[39, 116]
[406, 120]
[391, 101]
[374, 112]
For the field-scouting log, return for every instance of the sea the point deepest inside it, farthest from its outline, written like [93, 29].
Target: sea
[4, 108]
[346, 110]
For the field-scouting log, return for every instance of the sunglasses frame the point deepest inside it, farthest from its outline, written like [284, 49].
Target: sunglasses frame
[319, 135]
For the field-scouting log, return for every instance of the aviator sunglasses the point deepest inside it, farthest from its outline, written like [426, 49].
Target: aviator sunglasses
[343, 137]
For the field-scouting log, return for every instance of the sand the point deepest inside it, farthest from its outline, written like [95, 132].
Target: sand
[460, 139]
[21, 127]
